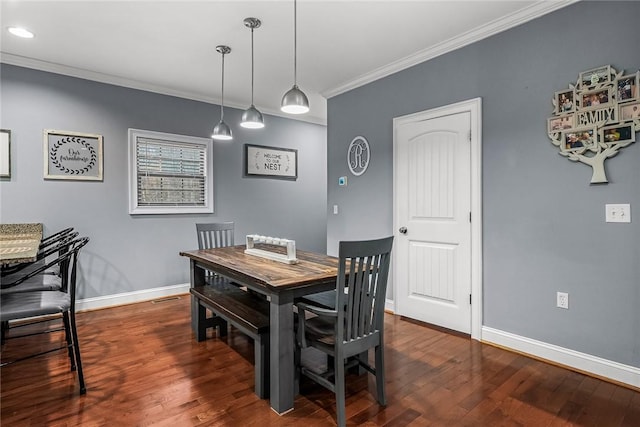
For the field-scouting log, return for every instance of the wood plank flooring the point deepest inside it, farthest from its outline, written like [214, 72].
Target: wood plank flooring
[143, 367]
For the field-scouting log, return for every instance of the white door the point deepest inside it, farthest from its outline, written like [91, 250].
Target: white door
[433, 206]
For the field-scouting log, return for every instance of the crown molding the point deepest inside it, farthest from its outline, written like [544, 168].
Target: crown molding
[52, 67]
[520, 17]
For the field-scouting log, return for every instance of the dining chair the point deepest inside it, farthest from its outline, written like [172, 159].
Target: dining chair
[214, 235]
[30, 305]
[44, 250]
[355, 324]
[28, 277]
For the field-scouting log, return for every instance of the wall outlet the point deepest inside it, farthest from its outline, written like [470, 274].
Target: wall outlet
[617, 212]
[562, 300]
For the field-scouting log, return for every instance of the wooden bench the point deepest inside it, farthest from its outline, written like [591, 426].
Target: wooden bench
[244, 310]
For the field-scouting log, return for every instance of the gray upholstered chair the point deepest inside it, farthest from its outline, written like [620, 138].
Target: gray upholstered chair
[347, 334]
[31, 305]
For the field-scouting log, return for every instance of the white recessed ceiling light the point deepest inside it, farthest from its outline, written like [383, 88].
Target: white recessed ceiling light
[21, 32]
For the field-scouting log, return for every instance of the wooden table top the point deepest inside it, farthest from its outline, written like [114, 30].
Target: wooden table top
[312, 268]
[19, 242]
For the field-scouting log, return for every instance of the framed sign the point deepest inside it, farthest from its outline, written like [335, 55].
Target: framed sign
[72, 155]
[5, 153]
[271, 162]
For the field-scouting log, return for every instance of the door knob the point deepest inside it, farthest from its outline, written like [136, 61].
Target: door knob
[403, 230]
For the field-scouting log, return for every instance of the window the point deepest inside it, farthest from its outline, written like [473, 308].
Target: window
[169, 173]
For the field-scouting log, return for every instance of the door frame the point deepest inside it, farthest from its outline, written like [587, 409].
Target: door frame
[474, 107]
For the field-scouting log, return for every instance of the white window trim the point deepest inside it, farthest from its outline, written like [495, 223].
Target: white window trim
[134, 208]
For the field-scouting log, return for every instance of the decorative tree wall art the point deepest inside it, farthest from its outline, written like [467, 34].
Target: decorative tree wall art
[595, 118]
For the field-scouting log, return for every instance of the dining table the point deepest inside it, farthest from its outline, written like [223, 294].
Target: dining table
[281, 283]
[19, 243]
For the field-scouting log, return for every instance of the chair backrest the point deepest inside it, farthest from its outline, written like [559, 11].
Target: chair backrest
[66, 259]
[69, 267]
[215, 235]
[56, 243]
[363, 272]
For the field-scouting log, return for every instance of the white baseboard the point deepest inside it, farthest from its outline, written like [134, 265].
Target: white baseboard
[563, 356]
[389, 305]
[130, 297]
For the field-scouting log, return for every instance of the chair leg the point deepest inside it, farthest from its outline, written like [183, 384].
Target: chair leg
[200, 322]
[380, 374]
[67, 335]
[340, 391]
[76, 349]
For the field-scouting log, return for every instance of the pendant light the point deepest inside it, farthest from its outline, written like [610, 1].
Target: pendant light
[295, 101]
[222, 131]
[252, 118]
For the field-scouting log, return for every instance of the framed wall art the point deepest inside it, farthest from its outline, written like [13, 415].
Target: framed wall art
[5, 153]
[270, 162]
[602, 120]
[72, 155]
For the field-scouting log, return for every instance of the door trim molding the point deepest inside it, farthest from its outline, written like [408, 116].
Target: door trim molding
[474, 107]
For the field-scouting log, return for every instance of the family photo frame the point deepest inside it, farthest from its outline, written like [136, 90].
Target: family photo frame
[565, 101]
[627, 88]
[618, 133]
[595, 77]
[578, 139]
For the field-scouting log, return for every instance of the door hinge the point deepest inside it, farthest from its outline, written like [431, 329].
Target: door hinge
[469, 216]
[469, 299]
[469, 136]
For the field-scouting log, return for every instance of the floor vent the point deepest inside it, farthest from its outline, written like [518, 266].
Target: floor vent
[159, 301]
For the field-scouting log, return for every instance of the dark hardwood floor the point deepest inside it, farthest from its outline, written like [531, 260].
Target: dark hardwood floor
[143, 367]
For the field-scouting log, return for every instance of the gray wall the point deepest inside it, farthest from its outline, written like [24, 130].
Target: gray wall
[130, 253]
[543, 228]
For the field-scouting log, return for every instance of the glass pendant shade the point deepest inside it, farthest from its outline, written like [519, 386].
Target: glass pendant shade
[222, 132]
[252, 118]
[295, 101]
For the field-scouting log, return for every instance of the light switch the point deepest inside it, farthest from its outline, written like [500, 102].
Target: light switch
[335, 209]
[617, 212]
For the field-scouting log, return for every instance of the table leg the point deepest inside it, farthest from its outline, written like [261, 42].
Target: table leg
[281, 353]
[197, 279]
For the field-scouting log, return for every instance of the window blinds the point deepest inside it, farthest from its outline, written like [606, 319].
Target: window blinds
[170, 173]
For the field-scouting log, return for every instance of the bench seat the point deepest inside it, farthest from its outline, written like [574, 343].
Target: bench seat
[244, 310]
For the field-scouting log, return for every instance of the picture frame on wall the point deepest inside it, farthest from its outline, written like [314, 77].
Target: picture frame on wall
[629, 111]
[5, 153]
[627, 88]
[72, 155]
[595, 76]
[578, 139]
[596, 99]
[565, 101]
[618, 134]
[270, 162]
[561, 123]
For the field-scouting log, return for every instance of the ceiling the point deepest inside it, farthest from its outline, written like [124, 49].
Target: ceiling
[169, 46]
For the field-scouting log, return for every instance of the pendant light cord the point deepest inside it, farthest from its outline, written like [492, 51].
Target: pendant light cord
[222, 106]
[251, 65]
[295, 43]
